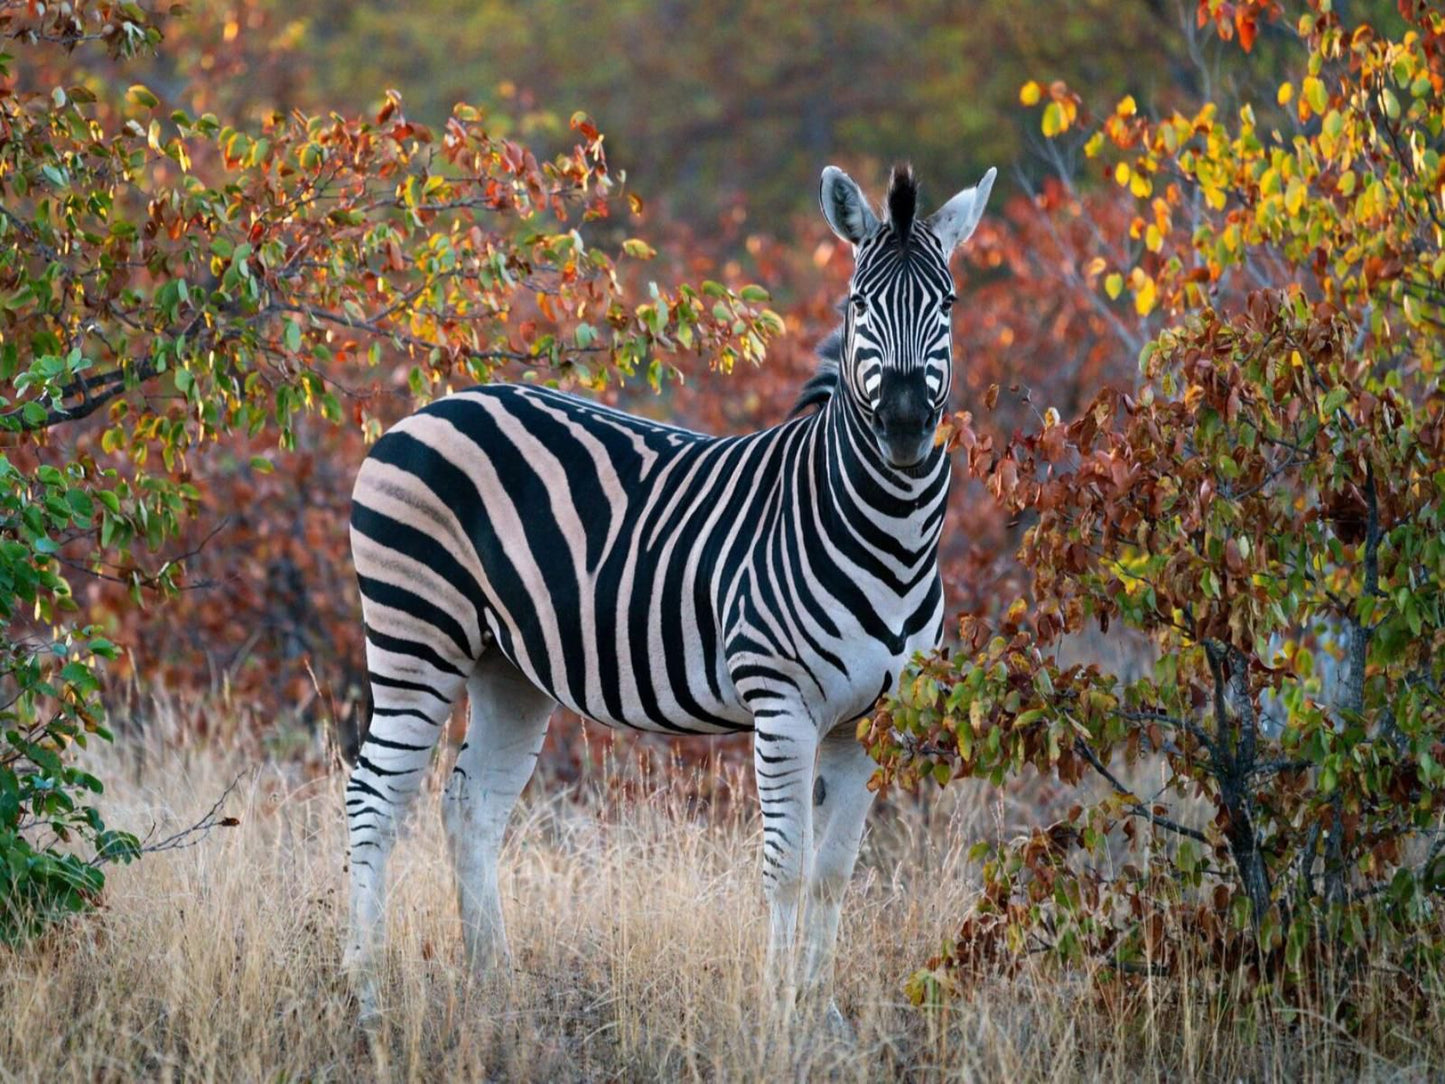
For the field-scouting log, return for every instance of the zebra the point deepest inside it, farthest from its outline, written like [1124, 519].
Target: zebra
[535, 548]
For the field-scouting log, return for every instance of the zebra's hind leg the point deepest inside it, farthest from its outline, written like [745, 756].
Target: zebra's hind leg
[509, 717]
[841, 800]
[408, 715]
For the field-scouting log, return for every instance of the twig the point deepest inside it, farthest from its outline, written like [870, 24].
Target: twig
[1136, 808]
[196, 833]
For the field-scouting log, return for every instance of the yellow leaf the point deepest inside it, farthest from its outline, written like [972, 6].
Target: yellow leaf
[1286, 93]
[1145, 295]
[1030, 93]
[1294, 196]
[1153, 239]
[1094, 145]
[1122, 173]
[1114, 285]
[1054, 120]
[1126, 106]
[1141, 186]
[1096, 266]
[141, 95]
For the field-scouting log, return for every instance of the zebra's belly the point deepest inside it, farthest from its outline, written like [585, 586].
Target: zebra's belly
[665, 667]
[673, 691]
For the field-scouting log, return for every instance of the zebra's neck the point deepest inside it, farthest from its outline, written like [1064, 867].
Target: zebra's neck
[869, 506]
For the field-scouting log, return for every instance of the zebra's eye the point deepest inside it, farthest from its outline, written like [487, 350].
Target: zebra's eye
[859, 305]
[948, 305]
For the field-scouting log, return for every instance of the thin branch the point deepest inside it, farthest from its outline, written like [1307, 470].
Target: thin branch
[198, 832]
[150, 579]
[1137, 808]
[1169, 720]
[1132, 341]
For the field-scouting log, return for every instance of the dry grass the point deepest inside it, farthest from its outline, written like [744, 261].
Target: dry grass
[637, 929]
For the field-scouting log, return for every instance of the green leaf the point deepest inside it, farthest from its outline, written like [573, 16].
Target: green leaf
[141, 96]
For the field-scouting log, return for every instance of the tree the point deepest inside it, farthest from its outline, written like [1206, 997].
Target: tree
[174, 288]
[1268, 506]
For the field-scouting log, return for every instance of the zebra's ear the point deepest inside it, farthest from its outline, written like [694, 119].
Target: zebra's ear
[956, 220]
[845, 207]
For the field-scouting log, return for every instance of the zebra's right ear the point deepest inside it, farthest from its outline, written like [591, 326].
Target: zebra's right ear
[845, 207]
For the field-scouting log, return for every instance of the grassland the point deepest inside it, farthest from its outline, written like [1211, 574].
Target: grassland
[637, 927]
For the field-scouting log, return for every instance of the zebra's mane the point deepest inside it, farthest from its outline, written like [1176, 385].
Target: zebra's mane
[823, 383]
[902, 202]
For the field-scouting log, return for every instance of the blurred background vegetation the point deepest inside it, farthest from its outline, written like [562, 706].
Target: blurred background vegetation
[726, 111]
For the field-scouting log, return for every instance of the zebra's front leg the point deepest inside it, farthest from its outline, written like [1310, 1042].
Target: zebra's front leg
[784, 749]
[841, 800]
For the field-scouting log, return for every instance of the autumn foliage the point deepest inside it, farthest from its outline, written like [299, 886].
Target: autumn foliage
[1267, 505]
[185, 299]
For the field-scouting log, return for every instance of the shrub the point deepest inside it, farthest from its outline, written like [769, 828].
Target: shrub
[173, 287]
[1266, 506]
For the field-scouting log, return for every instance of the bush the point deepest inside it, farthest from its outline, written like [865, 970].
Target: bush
[173, 287]
[1268, 506]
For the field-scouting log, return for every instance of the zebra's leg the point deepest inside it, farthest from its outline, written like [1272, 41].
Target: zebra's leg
[784, 749]
[412, 700]
[841, 800]
[509, 717]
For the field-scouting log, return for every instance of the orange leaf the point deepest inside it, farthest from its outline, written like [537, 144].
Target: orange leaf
[1248, 28]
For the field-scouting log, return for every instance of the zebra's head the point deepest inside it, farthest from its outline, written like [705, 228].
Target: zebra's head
[897, 350]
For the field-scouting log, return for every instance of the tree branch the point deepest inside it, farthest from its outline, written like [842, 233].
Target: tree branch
[1137, 809]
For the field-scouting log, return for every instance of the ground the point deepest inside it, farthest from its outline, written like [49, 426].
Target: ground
[637, 927]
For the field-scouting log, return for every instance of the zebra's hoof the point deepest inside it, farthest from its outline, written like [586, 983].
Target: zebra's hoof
[362, 994]
[836, 1026]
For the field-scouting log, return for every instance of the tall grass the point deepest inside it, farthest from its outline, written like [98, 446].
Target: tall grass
[637, 926]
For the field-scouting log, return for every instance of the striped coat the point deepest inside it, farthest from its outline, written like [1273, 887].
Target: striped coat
[643, 575]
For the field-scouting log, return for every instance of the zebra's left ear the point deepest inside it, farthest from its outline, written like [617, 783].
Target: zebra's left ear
[956, 220]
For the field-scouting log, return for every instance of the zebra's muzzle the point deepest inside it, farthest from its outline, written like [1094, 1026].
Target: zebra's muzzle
[906, 419]
[906, 449]
[905, 441]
